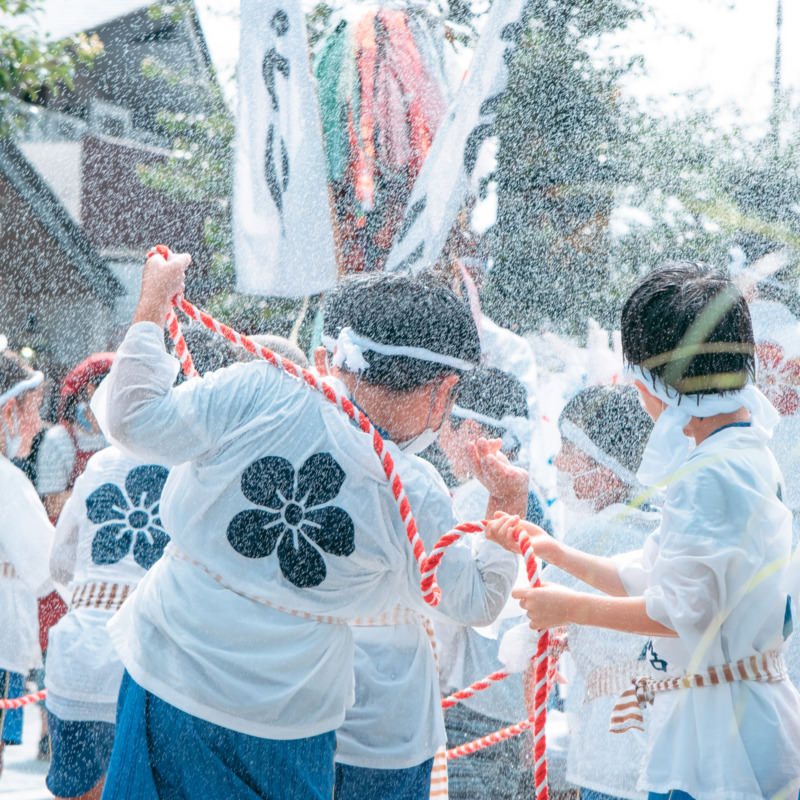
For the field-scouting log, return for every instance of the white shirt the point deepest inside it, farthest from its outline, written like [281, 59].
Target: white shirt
[396, 721]
[108, 531]
[467, 654]
[25, 537]
[259, 462]
[598, 759]
[715, 572]
[55, 460]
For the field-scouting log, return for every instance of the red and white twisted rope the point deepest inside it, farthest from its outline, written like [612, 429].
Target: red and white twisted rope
[18, 702]
[431, 592]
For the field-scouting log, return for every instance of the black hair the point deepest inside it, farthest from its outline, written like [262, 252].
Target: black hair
[403, 311]
[689, 325]
[612, 419]
[13, 370]
[493, 393]
[209, 350]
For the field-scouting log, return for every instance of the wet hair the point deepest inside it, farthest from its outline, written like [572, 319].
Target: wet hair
[13, 370]
[209, 350]
[613, 420]
[493, 393]
[282, 346]
[689, 325]
[403, 311]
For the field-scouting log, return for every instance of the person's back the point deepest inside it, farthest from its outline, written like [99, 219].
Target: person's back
[283, 527]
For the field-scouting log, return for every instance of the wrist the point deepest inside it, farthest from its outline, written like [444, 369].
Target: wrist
[151, 310]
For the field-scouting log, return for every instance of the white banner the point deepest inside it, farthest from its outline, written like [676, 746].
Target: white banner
[283, 239]
[443, 182]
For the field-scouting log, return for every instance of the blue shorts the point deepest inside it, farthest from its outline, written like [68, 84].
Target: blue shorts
[81, 752]
[361, 783]
[674, 794]
[12, 719]
[162, 753]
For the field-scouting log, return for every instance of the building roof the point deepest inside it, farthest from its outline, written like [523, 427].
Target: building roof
[57, 222]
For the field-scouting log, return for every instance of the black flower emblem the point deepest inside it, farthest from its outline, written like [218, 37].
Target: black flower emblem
[129, 517]
[294, 516]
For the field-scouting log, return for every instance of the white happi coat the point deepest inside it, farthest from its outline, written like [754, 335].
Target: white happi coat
[25, 537]
[109, 532]
[716, 573]
[279, 513]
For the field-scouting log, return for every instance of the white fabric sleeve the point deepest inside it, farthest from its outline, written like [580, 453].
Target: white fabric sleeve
[27, 533]
[54, 461]
[141, 413]
[475, 585]
[700, 554]
[64, 552]
[631, 571]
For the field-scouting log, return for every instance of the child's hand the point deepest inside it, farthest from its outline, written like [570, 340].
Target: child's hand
[548, 605]
[491, 467]
[162, 281]
[501, 530]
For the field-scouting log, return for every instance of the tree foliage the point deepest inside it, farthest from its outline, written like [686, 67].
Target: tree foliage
[32, 65]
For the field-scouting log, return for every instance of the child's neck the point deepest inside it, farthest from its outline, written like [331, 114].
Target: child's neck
[700, 428]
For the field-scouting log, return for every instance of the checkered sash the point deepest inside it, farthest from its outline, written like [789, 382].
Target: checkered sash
[102, 595]
[768, 667]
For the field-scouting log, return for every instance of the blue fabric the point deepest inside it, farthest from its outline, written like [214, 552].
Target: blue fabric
[162, 753]
[81, 752]
[591, 794]
[675, 794]
[12, 719]
[361, 783]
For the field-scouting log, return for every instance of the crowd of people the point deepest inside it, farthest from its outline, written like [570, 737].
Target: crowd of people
[220, 574]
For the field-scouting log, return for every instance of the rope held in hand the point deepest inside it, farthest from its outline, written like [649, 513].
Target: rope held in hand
[431, 592]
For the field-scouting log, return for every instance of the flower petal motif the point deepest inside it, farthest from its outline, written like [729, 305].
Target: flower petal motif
[130, 520]
[111, 543]
[269, 482]
[331, 529]
[301, 563]
[254, 533]
[319, 480]
[293, 517]
[147, 552]
[106, 503]
[144, 484]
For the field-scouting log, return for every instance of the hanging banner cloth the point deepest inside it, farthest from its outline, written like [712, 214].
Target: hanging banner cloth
[445, 178]
[283, 239]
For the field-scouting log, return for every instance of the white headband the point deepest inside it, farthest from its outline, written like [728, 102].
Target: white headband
[668, 447]
[572, 433]
[517, 429]
[348, 349]
[20, 388]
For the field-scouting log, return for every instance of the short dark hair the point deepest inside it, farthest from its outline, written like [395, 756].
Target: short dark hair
[403, 311]
[13, 370]
[689, 325]
[612, 419]
[209, 350]
[493, 393]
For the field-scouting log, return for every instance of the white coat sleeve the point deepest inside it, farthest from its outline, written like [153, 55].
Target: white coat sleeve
[64, 552]
[141, 412]
[475, 585]
[26, 532]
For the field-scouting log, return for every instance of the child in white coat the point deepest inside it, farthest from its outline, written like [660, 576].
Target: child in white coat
[711, 584]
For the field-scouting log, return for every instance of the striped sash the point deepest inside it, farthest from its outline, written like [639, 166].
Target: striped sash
[766, 667]
[99, 594]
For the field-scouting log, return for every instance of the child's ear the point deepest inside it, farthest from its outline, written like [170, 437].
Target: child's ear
[651, 404]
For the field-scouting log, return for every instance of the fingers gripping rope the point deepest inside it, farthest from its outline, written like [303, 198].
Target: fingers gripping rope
[427, 564]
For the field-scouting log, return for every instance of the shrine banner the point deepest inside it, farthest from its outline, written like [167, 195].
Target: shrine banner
[283, 239]
[447, 174]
